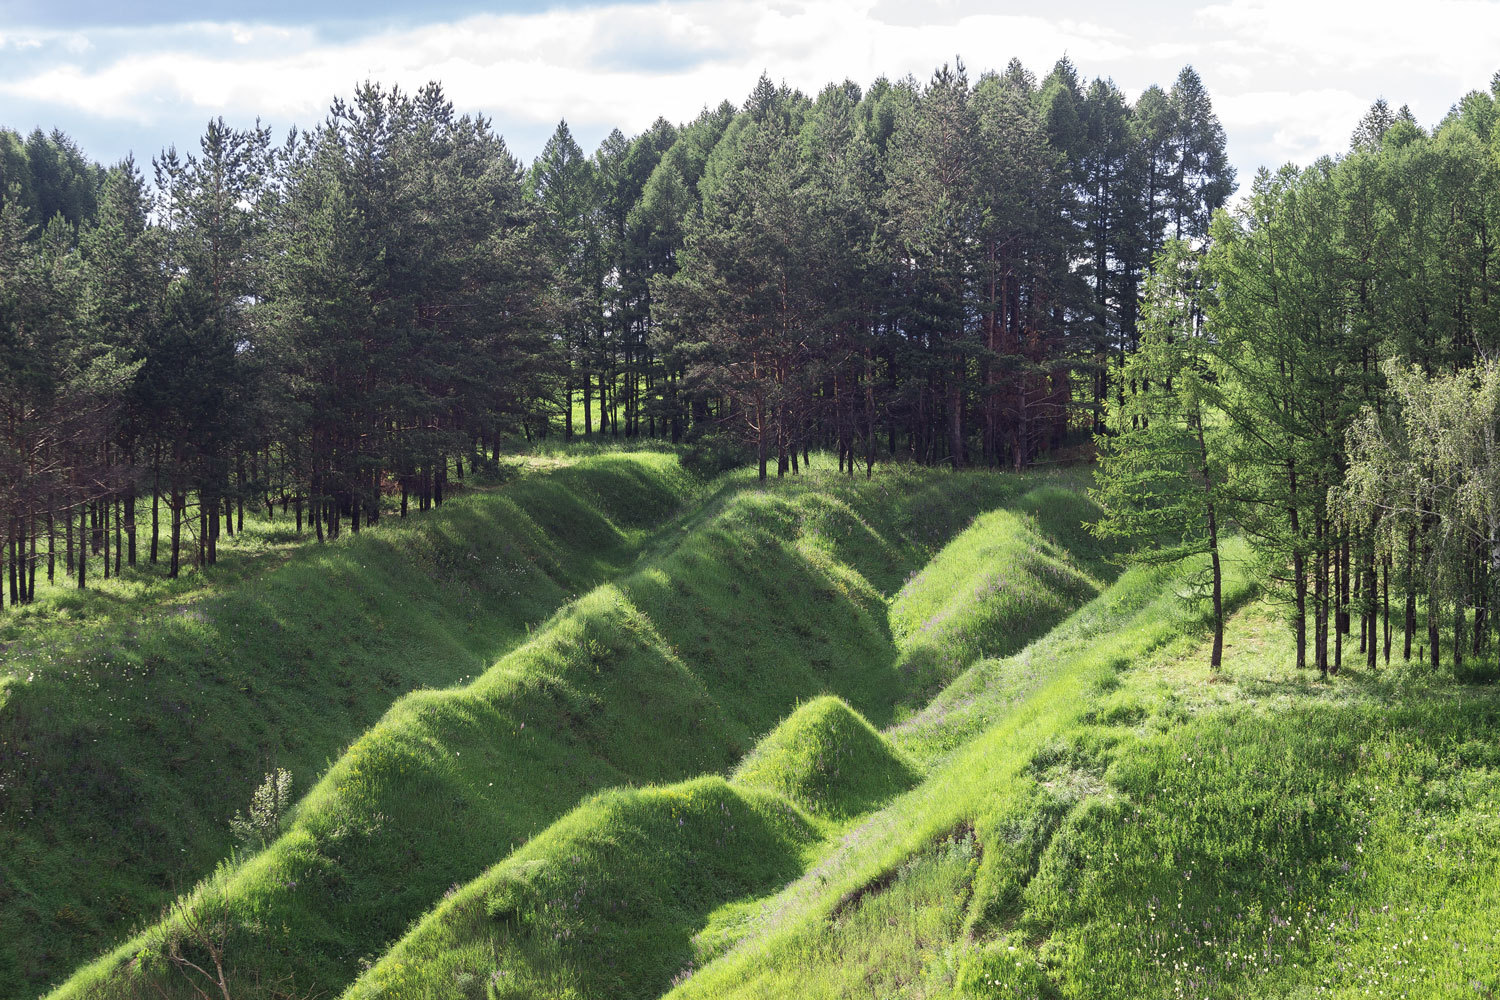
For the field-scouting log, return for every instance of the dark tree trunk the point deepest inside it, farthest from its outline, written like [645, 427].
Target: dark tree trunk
[83, 549]
[1385, 605]
[175, 503]
[130, 523]
[155, 502]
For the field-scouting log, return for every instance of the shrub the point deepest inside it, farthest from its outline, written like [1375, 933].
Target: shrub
[267, 807]
[715, 452]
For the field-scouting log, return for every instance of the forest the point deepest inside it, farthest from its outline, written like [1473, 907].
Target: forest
[946, 272]
[1031, 323]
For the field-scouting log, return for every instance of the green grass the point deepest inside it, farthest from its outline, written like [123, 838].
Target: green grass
[603, 902]
[827, 759]
[980, 740]
[1267, 835]
[990, 592]
[1146, 827]
[134, 721]
[824, 762]
[760, 599]
[941, 750]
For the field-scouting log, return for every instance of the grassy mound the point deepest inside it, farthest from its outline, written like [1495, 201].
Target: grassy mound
[996, 587]
[130, 737]
[604, 902]
[762, 599]
[830, 761]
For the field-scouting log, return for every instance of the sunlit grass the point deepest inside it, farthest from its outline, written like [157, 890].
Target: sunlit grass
[135, 723]
[762, 597]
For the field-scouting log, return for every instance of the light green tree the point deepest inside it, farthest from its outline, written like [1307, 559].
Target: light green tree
[1161, 468]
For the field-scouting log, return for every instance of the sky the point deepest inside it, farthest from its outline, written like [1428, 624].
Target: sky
[1289, 78]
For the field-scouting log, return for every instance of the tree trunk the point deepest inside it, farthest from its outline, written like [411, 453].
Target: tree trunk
[1434, 627]
[130, 522]
[83, 548]
[1385, 603]
[175, 503]
[1458, 634]
[1410, 623]
[155, 501]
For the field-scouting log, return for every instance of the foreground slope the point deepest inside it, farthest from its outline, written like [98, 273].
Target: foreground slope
[126, 744]
[1110, 819]
[763, 598]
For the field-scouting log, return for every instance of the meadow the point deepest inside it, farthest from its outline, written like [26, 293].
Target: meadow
[917, 736]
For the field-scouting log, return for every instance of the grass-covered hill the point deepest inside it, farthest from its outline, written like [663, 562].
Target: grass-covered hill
[135, 719]
[1096, 816]
[1127, 824]
[914, 738]
[749, 603]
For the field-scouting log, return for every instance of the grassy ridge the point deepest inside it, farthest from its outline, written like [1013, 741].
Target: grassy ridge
[824, 762]
[605, 902]
[1137, 826]
[128, 738]
[766, 597]
[957, 848]
[996, 588]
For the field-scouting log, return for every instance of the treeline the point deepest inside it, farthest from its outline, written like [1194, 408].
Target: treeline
[332, 325]
[940, 271]
[1322, 377]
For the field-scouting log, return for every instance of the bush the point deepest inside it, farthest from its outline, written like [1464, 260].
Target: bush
[267, 807]
[715, 452]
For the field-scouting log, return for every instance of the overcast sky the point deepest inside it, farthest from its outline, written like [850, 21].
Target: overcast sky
[1289, 78]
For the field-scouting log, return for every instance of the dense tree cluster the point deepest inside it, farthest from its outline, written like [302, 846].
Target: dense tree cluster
[1321, 376]
[947, 271]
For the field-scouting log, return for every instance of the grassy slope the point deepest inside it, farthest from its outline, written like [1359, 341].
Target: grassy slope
[1109, 819]
[136, 719]
[824, 763]
[767, 597]
[954, 849]
[1279, 836]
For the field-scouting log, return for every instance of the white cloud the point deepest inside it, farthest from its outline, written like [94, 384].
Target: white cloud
[598, 67]
[1452, 37]
[1289, 77]
[1292, 126]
